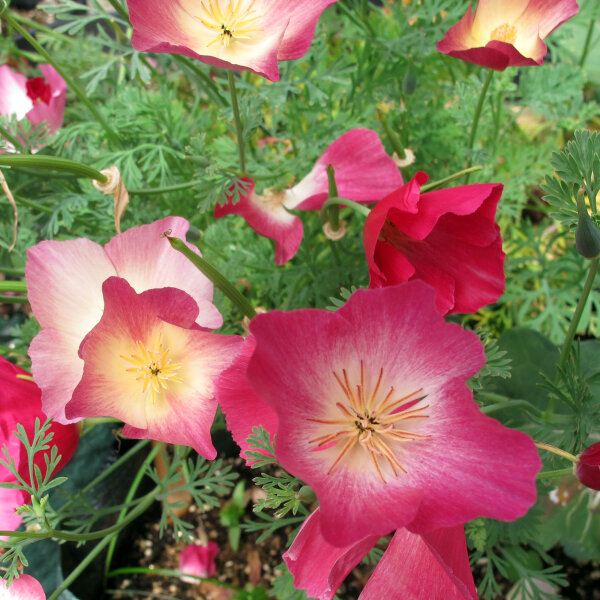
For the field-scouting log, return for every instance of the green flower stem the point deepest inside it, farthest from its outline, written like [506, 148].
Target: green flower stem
[11, 271]
[586, 45]
[68, 536]
[221, 282]
[135, 484]
[238, 121]
[168, 573]
[392, 136]
[553, 474]
[54, 163]
[75, 573]
[10, 138]
[120, 10]
[478, 108]
[355, 206]
[13, 299]
[43, 28]
[69, 81]
[167, 189]
[435, 184]
[333, 210]
[13, 286]
[557, 451]
[211, 88]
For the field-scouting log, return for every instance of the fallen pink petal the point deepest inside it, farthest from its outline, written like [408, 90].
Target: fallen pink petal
[199, 559]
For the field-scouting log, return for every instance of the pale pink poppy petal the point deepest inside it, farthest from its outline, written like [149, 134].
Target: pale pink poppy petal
[266, 215]
[243, 409]
[9, 500]
[23, 588]
[53, 112]
[364, 172]
[144, 257]
[318, 566]
[148, 364]
[13, 93]
[432, 567]
[64, 284]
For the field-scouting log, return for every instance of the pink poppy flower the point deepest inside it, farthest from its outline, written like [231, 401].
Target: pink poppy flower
[363, 173]
[199, 560]
[588, 467]
[506, 33]
[434, 566]
[447, 238]
[20, 402]
[40, 99]
[23, 588]
[148, 364]
[64, 283]
[242, 408]
[373, 413]
[251, 35]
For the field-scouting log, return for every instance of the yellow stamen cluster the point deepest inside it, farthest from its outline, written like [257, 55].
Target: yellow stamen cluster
[237, 21]
[504, 33]
[153, 368]
[370, 422]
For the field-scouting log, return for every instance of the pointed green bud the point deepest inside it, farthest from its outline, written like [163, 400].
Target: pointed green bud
[587, 234]
[307, 494]
[409, 83]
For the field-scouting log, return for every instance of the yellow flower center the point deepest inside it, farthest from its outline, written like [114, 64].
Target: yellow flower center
[504, 33]
[153, 368]
[237, 21]
[369, 421]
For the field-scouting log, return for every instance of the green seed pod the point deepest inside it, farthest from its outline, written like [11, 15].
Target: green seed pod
[307, 495]
[587, 236]
[409, 83]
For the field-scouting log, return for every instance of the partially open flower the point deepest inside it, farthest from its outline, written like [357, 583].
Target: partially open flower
[148, 364]
[588, 467]
[252, 35]
[506, 33]
[64, 284]
[39, 99]
[20, 402]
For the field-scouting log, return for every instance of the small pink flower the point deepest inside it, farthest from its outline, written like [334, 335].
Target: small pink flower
[40, 99]
[23, 588]
[506, 33]
[148, 364]
[64, 283]
[363, 173]
[20, 402]
[448, 238]
[588, 467]
[373, 413]
[251, 35]
[432, 566]
[199, 560]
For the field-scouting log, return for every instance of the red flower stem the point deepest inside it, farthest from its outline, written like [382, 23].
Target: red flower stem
[478, 108]
[557, 451]
[238, 122]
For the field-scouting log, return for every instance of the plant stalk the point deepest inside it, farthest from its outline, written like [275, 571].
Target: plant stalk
[238, 121]
[478, 108]
[435, 184]
[55, 163]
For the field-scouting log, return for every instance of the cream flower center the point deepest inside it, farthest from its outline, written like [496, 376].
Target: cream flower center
[153, 368]
[370, 420]
[236, 22]
[504, 33]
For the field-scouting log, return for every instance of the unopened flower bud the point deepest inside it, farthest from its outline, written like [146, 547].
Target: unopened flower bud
[307, 494]
[409, 83]
[587, 469]
[587, 237]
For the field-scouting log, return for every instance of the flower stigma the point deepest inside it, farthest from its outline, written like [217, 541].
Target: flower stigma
[369, 422]
[153, 368]
[504, 33]
[237, 21]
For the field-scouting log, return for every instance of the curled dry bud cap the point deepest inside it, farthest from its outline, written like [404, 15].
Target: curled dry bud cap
[588, 467]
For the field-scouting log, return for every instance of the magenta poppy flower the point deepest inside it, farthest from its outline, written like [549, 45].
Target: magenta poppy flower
[364, 172]
[588, 467]
[506, 33]
[40, 99]
[148, 364]
[20, 402]
[448, 238]
[374, 414]
[432, 566]
[251, 35]
[23, 588]
[242, 408]
[199, 559]
[64, 285]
